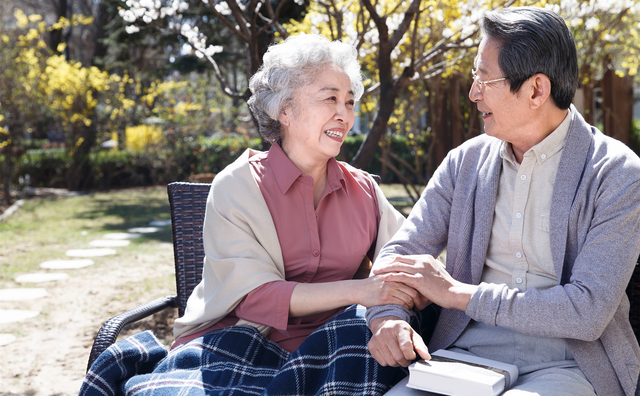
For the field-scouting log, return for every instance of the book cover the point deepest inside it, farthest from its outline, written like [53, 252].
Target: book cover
[458, 374]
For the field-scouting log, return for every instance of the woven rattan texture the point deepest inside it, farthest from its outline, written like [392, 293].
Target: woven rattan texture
[188, 203]
[633, 292]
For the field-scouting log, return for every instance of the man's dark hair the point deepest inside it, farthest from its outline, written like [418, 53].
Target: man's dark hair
[535, 40]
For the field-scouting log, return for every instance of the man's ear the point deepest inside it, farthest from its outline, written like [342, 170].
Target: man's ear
[540, 90]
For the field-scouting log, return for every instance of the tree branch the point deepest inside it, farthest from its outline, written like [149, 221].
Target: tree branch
[229, 24]
[406, 22]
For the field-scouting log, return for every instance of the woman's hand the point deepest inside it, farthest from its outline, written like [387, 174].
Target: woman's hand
[429, 277]
[375, 291]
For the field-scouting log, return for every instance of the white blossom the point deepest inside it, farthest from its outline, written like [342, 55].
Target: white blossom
[223, 8]
[591, 23]
[132, 29]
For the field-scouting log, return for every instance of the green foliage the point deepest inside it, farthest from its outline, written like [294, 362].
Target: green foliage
[635, 135]
[411, 149]
[128, 168]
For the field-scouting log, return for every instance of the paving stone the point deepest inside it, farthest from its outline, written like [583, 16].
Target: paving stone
[109, 243]
[22, 294]
[66, 264]
[41, 277]
[145, 230]
[122, 235]
[160, 223]
[16, 315]
[6, 339]
[90, 252]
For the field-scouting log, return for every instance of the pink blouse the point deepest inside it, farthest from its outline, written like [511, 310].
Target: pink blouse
[318, 245]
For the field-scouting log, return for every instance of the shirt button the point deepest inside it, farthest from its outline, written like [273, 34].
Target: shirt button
[543, 156]
[523, 177]
[315, 253]
[518, 280]
[518, 255]
[305, 280]
[518, 215]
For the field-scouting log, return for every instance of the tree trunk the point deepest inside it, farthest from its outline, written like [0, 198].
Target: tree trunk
[457, 130]
[617, 106]
[55, 37]
[440, 119]
[8, 170]
[99, 49]
[378, 129]
[79, 173]
[389, 88]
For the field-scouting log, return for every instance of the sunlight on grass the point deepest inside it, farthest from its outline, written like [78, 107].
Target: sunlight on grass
[44, 229]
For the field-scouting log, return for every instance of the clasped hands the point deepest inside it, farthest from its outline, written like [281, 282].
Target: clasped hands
[394, 342]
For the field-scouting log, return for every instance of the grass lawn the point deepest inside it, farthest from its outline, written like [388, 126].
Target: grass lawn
[44, 229]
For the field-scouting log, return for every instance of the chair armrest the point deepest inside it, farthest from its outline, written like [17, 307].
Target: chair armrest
[111, 328]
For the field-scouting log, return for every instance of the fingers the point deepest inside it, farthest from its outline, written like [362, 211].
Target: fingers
[394, 266]
[409, 264]
[420, 346]
[392, 343]
[421, 302]
[400, 294]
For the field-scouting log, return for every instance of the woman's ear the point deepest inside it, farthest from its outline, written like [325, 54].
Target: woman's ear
[285, 117]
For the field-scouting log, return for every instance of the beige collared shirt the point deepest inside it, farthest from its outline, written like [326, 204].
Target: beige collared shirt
[519, 253]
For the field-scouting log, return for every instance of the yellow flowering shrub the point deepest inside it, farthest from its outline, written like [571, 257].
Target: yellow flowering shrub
[142, 136]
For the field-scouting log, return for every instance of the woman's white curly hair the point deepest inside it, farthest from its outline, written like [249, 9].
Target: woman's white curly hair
[292, 65]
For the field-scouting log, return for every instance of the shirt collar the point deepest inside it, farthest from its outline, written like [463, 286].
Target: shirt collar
[287, 173]
[548, 147]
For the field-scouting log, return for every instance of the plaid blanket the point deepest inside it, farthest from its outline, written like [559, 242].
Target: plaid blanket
[238, 360]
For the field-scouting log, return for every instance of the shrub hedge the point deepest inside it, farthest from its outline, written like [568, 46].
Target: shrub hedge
[155, 165]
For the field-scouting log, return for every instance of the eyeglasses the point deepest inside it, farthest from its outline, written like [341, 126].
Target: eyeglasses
[480, 84]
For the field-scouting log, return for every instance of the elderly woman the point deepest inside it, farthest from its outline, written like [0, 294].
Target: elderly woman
[285, 232]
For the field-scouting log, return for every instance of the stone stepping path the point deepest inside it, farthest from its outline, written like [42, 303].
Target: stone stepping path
[66, 264]
[109, 243]
[160, 223]
[22, 294]
[41, 277]
[6, 339]
[122, 235]
[16, 315]
[144, 230]
[90, 252]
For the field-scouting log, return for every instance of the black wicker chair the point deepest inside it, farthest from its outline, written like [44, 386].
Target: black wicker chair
[188, 202]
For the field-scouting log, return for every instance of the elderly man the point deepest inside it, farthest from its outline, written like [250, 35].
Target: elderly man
[540, 218]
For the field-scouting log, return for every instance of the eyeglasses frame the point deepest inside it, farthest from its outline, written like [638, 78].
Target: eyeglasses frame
[480, 84]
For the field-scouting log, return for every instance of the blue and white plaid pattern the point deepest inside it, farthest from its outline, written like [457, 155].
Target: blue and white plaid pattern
[238, 360]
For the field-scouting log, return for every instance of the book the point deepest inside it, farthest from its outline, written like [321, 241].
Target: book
[458, 374]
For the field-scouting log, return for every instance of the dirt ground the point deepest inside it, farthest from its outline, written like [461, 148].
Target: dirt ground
[50, 354]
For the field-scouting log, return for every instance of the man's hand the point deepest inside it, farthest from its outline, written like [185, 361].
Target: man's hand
[374, 291]
[429, 277]
[394, 341]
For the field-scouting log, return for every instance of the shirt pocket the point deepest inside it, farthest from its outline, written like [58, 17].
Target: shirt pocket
[544, 221]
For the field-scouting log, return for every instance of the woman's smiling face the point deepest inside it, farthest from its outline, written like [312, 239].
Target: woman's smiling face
[322, 117]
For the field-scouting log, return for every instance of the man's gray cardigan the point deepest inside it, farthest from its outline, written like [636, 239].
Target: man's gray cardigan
[595, 241]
